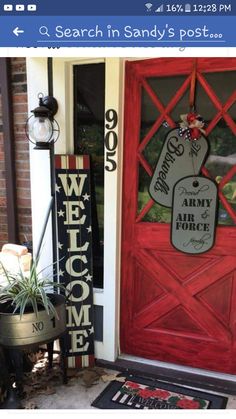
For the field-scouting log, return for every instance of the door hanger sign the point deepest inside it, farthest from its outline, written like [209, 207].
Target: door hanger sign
[178, 158]
[194, 214]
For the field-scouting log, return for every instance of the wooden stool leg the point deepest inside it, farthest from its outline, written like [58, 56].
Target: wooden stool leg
[62, 341]
[50, 353]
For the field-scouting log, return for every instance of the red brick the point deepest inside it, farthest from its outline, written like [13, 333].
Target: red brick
[2, 165]
[22, 165]
[2, 184]
[4, 228]
[20, 98]
[3, 201]
[24, 211]
[18, 67]
[21, 108]
[24, 202]
[23, 174]
[21, 137]
[20, 129]
[23, 183]
[21, 156]
[23, 193]
[3, 192]
[20, 118]
[25, 220]
[19, 88]
[15, 60]
[3, 239]
[22, 146]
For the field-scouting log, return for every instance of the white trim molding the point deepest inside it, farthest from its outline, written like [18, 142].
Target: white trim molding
[63, 92]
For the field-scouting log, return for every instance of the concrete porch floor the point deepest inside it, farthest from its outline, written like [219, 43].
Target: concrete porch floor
[74, 395]
[77, 394]
[44, 388]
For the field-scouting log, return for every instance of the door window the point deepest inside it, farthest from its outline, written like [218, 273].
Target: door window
[163, 100]
[89, 104]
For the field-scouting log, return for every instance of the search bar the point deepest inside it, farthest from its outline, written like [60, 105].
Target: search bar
[116, 30]
[148, 32]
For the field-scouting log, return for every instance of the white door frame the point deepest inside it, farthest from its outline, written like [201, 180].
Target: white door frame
[109, 296]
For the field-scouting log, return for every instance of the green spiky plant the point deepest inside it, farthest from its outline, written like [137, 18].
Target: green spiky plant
[28, 290]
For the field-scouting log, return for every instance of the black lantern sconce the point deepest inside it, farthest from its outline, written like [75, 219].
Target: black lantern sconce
[43, 131]
[41, 127]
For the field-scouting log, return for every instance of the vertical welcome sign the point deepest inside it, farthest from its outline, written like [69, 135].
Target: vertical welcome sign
[74, 242]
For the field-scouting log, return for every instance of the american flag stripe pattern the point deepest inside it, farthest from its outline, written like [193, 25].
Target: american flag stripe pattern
[72, 162]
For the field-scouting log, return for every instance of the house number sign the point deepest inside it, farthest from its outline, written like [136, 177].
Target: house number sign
[194, 214]
[178, 158]
[111, 140]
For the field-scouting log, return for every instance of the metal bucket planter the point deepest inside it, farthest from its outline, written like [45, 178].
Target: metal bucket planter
[30, 330]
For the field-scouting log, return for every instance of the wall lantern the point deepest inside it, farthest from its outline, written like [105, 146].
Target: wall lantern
[41, 127]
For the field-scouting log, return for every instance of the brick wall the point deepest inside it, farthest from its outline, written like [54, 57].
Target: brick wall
[19, 97]
[3, 211]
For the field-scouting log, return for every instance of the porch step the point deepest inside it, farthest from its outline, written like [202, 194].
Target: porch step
[199, 381]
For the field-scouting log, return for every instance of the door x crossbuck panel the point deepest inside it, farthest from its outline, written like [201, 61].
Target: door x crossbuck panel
[174, 307]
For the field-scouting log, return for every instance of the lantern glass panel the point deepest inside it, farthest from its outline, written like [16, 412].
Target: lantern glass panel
[40, 129]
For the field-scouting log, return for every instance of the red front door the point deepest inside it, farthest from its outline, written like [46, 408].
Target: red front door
[174, 307]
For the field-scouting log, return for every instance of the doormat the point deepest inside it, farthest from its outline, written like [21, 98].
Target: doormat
[142, 393]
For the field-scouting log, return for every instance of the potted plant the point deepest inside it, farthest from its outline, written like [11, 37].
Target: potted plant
[30, 313]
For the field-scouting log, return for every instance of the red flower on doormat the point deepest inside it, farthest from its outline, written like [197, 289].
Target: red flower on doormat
[161, 394]
[188, 404]
[154, 397]
[131, 384]
[145, 394]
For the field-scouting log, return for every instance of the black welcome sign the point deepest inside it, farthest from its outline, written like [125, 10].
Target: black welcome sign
[73, 206]
[178, 158]
[194, 214]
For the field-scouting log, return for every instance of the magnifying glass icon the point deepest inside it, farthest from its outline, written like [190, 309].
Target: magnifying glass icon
[43, 30]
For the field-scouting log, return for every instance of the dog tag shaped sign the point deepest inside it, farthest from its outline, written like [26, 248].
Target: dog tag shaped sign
[178, 158]
[194, 214]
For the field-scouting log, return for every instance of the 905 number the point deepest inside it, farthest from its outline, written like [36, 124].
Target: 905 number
[111, 139]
